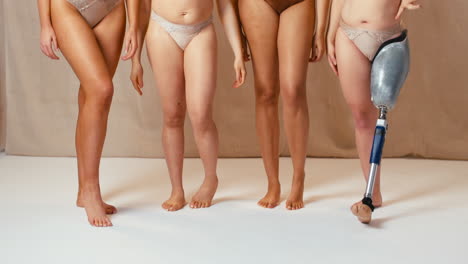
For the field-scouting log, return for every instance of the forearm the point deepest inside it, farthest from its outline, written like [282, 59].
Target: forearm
[323, 10]
[132, 12]
[337, 6]
[44, 13]
[229, 19]
[143, 22]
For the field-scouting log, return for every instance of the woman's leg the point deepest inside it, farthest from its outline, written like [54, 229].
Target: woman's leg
[109, 34]
[80, 47]
[167, 63]
[294, 45]
[200, 67]
[260, 23]
[354, 74]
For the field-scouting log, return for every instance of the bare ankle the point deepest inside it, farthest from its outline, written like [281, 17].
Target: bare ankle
[275, 184]
[177, 192]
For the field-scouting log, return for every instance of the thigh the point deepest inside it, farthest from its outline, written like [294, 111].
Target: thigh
[295, 34]
[110, 34]
[166, 59]
[200, 68]
[354, 72]
[260, 23]
[78, 43]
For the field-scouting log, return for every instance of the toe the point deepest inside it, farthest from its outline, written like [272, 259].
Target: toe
[354, 209]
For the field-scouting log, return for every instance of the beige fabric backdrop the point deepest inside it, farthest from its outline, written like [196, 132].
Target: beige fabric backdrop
[2, 81]
[430, 120]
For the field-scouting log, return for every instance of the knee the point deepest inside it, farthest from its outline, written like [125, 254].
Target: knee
[364, 119]
[201, 121]
[266, 93]
[293, 94]
[100, 92]
[174, 118]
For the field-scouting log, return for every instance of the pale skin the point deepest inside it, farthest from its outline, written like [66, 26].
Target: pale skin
[187, 82]
[281, 46]
[93, 54]
[353, 71]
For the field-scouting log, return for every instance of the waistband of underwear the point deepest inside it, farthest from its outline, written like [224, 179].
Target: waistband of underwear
[161, 19]
[397, 28]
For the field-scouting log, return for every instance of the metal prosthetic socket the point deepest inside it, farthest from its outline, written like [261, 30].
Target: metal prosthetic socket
[390, 68]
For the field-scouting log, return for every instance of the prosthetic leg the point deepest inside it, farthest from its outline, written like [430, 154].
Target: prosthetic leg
[389, 71]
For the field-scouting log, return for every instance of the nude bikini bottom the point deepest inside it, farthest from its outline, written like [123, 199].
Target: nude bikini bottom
[369, 41]
[280, 5]
[181, 34]
[93, 11]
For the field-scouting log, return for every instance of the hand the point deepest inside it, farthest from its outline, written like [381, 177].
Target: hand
[130, 44]
[49, 42]
[332, 56]
[318, 48]
[136, 77]
[239, 68]
[407, 4]
[245, 48]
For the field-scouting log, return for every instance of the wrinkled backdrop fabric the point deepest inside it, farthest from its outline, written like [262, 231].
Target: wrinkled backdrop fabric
[430, 120]
[2, 80]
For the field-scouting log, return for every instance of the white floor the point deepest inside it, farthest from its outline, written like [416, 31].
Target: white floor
[424, 220]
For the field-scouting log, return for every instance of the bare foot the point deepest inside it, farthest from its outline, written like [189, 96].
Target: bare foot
[110, 209]
[94, 206]
[272, 197]
[205, 194]
[175, 202]
[295, 200]
[363, 212]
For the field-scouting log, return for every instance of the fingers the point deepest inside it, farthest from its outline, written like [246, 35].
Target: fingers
[52, 53]
[130, 49]
[236, 83]
[140, 82]
[318, 54]
[242, 76]
[246, 56]
[333, 65]
[312, 56]
[136, 85]
[413, 6]
[133, 48]
[55, 44]
[48, 50]
[127, 49]
[400, 12]
[44, 50]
